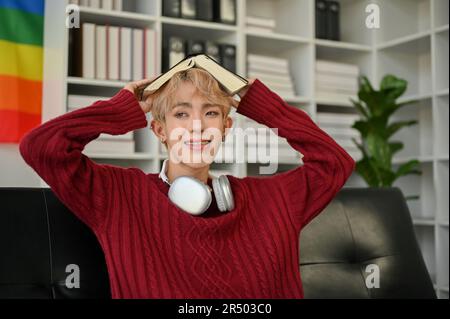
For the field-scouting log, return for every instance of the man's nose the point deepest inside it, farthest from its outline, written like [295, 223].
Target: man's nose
[197, 123]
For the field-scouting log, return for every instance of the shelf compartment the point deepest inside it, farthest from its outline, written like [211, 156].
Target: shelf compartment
[352, 22]
[401, 18]
[292, 17]
[424, 207]
[440, 13]
[299, 55]
[441, 61]
[441, 123]
[410, 61]
[417, 139]
[442, 184]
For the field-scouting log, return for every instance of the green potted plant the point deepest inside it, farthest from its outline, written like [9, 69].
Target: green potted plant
[375, 108]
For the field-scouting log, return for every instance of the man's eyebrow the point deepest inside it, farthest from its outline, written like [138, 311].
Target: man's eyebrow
[187, 104]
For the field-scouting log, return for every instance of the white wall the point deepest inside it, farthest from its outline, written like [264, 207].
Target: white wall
[14, 172]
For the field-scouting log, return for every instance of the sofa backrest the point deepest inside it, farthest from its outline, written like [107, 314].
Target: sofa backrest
[363, 245]
[362, 231]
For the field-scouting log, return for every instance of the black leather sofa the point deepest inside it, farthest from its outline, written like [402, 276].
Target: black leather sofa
[363, 233]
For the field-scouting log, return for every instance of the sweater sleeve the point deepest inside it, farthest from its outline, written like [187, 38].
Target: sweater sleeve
[307, 189]
[54, 151]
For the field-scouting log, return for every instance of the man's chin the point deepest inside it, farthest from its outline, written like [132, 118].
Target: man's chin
[198, 160]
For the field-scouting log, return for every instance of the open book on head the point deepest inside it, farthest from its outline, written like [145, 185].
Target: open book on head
[230, 81]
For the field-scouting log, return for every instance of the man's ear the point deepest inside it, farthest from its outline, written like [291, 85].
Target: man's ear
[158, 128]
[228, 123]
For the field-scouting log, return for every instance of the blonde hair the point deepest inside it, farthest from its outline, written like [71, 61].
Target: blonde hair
[164, 98]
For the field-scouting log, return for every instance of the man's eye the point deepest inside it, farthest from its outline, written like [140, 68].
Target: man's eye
[180, 114]
[212, 113]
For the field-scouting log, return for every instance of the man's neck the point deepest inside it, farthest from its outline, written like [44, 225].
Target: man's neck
[174, 170]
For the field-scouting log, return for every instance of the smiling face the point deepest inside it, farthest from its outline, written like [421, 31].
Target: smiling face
[193, 122]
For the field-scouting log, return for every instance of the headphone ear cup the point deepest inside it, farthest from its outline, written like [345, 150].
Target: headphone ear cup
[223, 193]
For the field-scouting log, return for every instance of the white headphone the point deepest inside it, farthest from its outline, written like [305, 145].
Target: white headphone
[193, 196]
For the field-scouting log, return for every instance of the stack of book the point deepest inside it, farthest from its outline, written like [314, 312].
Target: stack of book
[273, 72]
[112, 53]
[328, 20]
[105, 143]
[176, 49]
[222, 11]
[336, 82]
[339, 127]
[116, 5]
[260, 24]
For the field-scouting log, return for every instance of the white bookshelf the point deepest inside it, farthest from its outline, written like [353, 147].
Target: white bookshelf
[412, 43]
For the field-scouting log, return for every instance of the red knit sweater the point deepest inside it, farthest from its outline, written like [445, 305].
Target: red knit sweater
[155, 250]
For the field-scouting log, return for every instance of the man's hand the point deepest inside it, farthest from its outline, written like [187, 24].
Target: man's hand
[242, 92]
[137, 87]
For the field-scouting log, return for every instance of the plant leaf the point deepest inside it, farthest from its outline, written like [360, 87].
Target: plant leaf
[395, 147]
[360, 108]
[362, 127]
[394, 127]
[408, 168]
[393, 87]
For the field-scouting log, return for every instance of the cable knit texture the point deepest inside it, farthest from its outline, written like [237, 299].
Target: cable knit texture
[155, 250]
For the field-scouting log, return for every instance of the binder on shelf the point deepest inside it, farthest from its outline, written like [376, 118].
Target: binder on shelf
[100, 53]
[138, 54]
[95, 4]
[205, 10]
[107, 4]
[174, 52]
[228, 56]
[125, 54]
[88, 49]
[225, 11]
[113, 40]
[118, 5]
[213, 50]
[194, 47]
[333, 27]
[188, 9]
[321, 19]
[172, 8]
[150, 53]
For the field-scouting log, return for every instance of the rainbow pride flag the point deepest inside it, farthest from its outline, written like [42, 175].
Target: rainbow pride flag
[21, 63]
